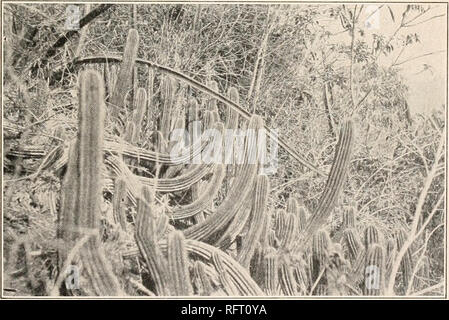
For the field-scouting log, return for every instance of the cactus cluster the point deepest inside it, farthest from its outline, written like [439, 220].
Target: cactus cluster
[205, 228]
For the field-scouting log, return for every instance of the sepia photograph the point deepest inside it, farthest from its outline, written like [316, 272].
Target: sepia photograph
[205, 150]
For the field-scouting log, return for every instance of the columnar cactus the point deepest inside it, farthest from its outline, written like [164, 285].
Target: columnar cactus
[374, 271]
[125, 74]
[256, 221]
[286, 277]
[201, 280]
[407, 262]
[135, 125]
[82, 187]
[352, 244]
[348, 217]
[168, 91]
[178, 265]
[269, 269]
[120, 202]
[225, 213]
[223, 276]
[320, 256]
[335, 181]
[146, 238]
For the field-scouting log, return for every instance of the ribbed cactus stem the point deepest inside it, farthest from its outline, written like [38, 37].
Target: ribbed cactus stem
[371, 236]
[223, 276]
[208, 119]
[168, 96]
[138, 114]
[407, 262]
[81, 196]
[285, 228]
[242, 186]
[111, 77]
[320, 255]
[203, 202]
[349, 217]
[119, 202]
[391, 252]
[270, 267]
[125, 74]
[212, 105]
[150, 97]
[352, 244]
[303, 215]
[335, 181]
[374, 271]
[178, 268]
[256, 221]
[286, 277]
[201, 281]
[292, 206]
[232, 117]
[146, 238]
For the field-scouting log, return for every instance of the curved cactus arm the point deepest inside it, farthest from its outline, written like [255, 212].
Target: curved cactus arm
[201, 280]
[203, 202]
[227, 285]
[337, 177]
[374, 271]
[111, 79]
[178, 264]
[125, 73]
[242, 186]
[256, 221]
[237, 274]
[146, 238]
